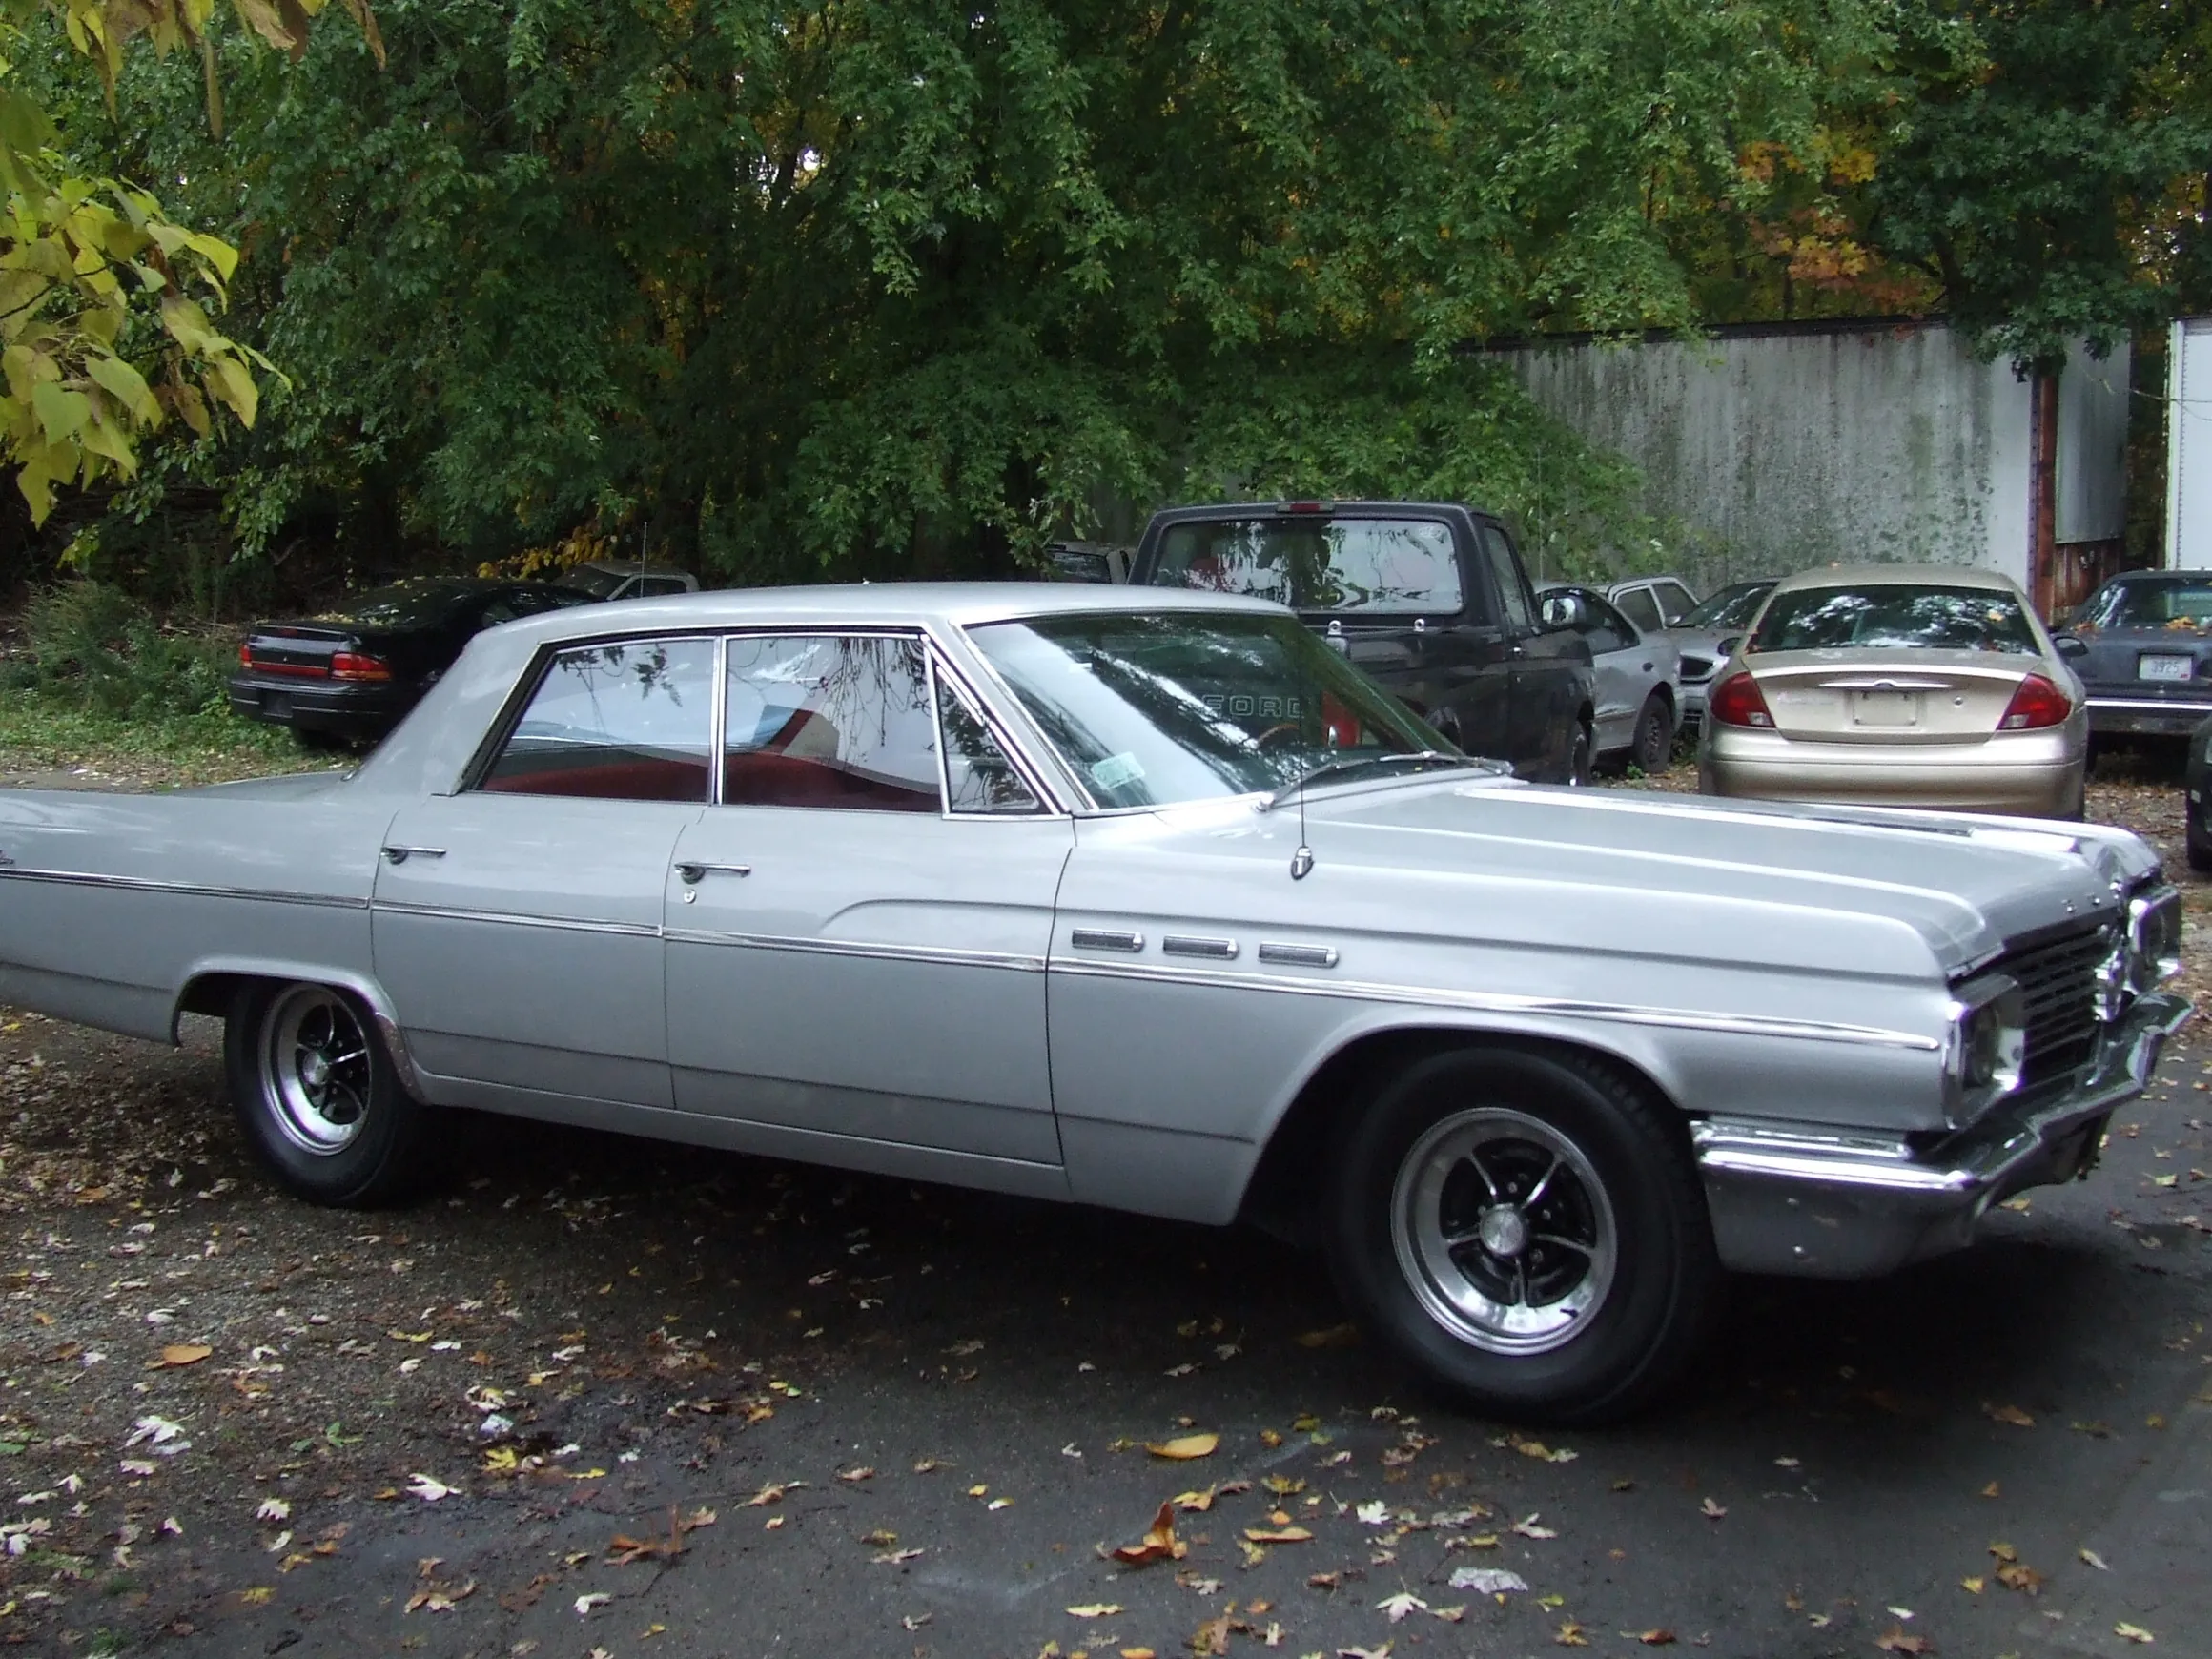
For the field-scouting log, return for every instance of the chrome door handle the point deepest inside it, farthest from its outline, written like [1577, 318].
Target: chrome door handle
[401, 854]
[693, 872]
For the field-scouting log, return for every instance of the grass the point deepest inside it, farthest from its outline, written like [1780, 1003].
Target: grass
[41, 734]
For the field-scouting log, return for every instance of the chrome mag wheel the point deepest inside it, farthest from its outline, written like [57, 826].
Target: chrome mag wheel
[1504, 1231]
[316, 1069]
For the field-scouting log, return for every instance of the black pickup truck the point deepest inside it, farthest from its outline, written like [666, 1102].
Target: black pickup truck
[1430, 599]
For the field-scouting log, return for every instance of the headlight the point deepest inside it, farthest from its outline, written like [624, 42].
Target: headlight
[1988, 1045]
[2154, 938]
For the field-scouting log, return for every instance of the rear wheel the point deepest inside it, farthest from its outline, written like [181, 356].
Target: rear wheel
[2200, 851]
[1527, 1230]
[1583, 759]
[317, 1096]
[1653, 744]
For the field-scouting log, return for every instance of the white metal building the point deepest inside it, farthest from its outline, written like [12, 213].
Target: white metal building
[2189, 445]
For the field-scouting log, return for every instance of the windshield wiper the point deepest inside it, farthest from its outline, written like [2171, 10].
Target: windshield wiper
[1352, 763]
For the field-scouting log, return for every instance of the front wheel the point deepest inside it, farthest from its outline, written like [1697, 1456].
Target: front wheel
[1528, 1231]
[317, 1096]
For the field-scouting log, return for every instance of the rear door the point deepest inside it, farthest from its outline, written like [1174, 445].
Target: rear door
[517, 925]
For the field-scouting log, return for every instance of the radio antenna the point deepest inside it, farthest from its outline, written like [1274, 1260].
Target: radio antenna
[1302, 861]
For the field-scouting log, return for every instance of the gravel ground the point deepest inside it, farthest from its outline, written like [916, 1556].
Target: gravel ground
[600, 1397]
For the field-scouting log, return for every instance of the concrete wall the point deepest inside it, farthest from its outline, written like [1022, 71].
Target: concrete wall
[1819, 443]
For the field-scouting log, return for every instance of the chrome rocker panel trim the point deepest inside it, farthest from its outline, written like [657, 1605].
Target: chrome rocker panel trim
[1813, 1202]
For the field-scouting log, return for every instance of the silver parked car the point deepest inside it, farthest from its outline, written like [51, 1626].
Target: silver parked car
[1709, 635]
[1920, 685]
[1638, 706]
[1137, 898]
[1653, 603]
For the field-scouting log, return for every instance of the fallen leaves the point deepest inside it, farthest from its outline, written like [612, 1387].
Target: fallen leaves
[1537, 1449]
[1095, 1610]
[1278, 1534]
[2128, 1632]
[1711, 1511]
[1335, 1337]
[1488, 1580]
[1526, 1528]
[1159, 1542]
[1569, 1635]
[180, 1354]
[896, 1557]
[2010, 1414]
[1895, 1641]
[1184, 1447]
[429, 1487]
[589, 1600]
[1657, 1637]
[2091, 1558]
[2013, 1573]
[1399, 1607]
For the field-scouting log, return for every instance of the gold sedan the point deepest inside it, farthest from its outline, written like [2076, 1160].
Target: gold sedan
[1893, 684]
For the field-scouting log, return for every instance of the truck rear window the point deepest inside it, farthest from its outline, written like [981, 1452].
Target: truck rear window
[1377, 566]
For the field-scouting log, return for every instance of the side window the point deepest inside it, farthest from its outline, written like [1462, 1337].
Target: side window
[1674, 602]
[1639, 606]
[661, 587]
[831, 720]
[627, 721]
[1513, 586]
[978, 776]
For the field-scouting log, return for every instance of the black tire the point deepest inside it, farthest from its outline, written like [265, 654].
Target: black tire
[1624, 1185]
[1653, 744]
[338, 1128]
[2200, 851]
[1582, 761]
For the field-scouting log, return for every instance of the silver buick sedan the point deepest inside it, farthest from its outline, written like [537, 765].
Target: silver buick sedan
[1908, 685]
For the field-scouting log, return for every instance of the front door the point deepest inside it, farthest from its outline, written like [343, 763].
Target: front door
[857, 933]
[517, 923]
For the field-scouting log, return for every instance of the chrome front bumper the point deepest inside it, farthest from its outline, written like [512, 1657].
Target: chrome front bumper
[1825, 1204]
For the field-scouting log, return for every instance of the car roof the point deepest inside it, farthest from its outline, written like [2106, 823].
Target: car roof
[2161, 576]
[1899, 576]
[880, 605]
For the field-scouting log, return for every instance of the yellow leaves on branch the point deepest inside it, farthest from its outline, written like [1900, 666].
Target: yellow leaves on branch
[79, 257]
[77, 260]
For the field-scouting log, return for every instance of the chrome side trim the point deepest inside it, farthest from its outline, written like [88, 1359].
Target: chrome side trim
[1838, 1159]
[1503, 1002]
[517, 919]
[188, 889]
[1183, 945]
[941, 955]
[1298, 956]
[1105, 940]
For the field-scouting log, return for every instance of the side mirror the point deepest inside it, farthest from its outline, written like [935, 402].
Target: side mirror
[2070, 646]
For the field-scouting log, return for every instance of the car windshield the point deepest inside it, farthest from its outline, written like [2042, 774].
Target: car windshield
[1893, 616]
[1153, 709]
[1378, 567]
[427, 604]
[1732, 608]
[591, 580]
[2183, 604]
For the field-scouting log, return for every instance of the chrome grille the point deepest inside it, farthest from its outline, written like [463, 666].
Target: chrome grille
[2059, 979]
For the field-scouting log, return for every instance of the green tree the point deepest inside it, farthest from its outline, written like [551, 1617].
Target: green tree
[866, 285]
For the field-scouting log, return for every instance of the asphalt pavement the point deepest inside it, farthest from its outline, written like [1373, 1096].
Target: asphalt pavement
[755, 1409]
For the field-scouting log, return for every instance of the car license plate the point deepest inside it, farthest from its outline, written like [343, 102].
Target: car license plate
[275, 705]
[1885, 707]
[2148, 667]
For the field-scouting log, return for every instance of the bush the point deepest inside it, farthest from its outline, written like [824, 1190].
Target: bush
[94, 645]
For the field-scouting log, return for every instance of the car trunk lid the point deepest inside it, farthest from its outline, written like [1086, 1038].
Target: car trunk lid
[295, 650]
[1921, 697]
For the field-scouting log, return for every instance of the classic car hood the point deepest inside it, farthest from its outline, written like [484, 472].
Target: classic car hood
[1722, 875]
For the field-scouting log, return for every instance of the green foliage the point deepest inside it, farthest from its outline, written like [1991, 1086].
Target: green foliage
[2035, 186]
[90, 645]
[795, 290]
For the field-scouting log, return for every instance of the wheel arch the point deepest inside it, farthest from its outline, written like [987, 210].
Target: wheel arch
[1280, 1196]
[211, 984]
